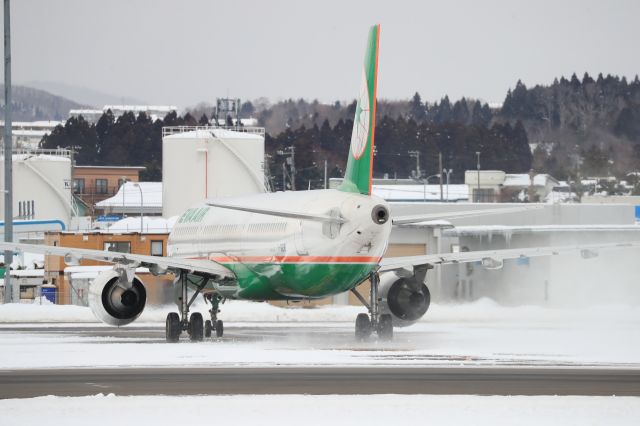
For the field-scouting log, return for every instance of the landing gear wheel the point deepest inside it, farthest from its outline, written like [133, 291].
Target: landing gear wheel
[219, 328]
[196, 327]
[363, 326]
[172, 327]
[385, 327]
[207, 328]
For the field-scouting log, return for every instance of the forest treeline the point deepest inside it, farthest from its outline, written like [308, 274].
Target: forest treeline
[587, 127]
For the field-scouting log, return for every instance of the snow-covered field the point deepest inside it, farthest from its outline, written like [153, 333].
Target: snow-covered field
[480, 333]
[321, 410]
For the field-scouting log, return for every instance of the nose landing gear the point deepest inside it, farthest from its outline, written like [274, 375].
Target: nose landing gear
[382, 324]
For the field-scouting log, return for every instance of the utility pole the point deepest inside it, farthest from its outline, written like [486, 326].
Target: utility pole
[291, 160]
[8, 156]
[478, 191]
[416, 155]
[440, 168]
[325, 173]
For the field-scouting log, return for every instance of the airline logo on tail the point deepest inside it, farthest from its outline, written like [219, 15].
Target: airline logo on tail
[360, 134]
[357, 177]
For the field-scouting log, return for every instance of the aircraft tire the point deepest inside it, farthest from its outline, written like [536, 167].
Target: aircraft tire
[172, 327]
[363, 326]
[207, 328]
[385, 327]
[219, 328]
[196, 327]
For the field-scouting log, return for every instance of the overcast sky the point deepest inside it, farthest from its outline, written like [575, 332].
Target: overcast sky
[183, 52]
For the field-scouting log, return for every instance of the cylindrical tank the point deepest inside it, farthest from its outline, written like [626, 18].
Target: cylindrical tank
[209, 163]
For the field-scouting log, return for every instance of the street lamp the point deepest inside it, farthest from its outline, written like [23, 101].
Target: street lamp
[137, 185]
[425, 182]
[447, 172]
[124, 183]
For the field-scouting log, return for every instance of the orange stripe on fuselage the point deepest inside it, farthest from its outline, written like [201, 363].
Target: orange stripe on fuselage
[293, 259]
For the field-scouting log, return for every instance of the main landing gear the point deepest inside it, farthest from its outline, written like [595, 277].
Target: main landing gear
[193, 324]
[382, 324]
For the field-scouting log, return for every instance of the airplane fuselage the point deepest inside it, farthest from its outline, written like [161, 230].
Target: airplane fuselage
[282, 258]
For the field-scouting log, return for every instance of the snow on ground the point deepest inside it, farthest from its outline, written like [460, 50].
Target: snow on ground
[480, 333]
[321, 410]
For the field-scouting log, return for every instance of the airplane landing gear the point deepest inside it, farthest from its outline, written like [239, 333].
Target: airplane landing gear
[214, 324]
[193, 324]
[366, 324]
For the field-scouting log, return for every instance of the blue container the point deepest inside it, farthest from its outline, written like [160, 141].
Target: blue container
[49, 291]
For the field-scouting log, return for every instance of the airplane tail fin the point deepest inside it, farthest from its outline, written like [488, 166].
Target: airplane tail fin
[357, 178]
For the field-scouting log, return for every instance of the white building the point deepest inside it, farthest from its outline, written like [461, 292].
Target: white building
[576, 279]
[492, 186]
[133, 199]
[208, 162]
[28, 134]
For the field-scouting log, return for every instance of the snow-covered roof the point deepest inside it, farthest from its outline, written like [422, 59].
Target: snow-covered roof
[27, 273]
[149, 223]
[523, 179]
[420, 192]
[128, 196]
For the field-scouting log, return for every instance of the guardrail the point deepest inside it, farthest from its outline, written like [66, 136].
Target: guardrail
[172, 130]
[58, 152]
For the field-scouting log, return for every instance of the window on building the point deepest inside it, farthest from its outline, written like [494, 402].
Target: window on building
[483, 195]
[119, 246]
[101, 186]
[78, 186]
[157, 248]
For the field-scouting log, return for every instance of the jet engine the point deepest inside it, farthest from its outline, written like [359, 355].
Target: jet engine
[406, 298]
[116, 301]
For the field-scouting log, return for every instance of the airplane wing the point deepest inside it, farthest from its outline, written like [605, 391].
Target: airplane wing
[405, 220]
[157, 263]
[492, 257]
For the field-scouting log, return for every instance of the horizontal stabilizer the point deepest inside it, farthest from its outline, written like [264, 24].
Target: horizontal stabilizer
[280, 213]
[406, 220]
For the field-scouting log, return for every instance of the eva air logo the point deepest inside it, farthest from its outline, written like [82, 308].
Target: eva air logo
[360, 132]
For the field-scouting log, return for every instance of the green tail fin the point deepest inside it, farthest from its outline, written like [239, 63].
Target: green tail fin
[357, 178]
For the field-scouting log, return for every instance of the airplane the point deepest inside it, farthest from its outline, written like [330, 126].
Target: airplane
[294, 245]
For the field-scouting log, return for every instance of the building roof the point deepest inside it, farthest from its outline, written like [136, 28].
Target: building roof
[128, 198]
[524, 180]
[420, 192]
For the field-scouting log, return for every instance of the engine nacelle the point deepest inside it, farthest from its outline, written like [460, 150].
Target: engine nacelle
[403, 297]
[114, 303]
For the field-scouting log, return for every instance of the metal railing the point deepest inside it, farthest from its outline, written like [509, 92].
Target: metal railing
[172, 130]
[58, 152]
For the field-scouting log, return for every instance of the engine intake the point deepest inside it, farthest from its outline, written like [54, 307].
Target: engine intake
[113, 303]
[404, 298]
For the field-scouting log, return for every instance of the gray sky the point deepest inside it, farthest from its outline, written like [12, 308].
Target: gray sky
[183, 52]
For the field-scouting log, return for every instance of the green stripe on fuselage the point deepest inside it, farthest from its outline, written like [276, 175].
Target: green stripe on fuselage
[282, 281]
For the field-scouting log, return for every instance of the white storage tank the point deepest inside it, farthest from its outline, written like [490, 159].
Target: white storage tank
[208, 162]
[41, 188]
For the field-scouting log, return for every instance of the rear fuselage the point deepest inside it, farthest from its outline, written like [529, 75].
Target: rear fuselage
[281, 258]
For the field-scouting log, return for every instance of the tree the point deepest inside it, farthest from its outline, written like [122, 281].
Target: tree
[417, 108]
